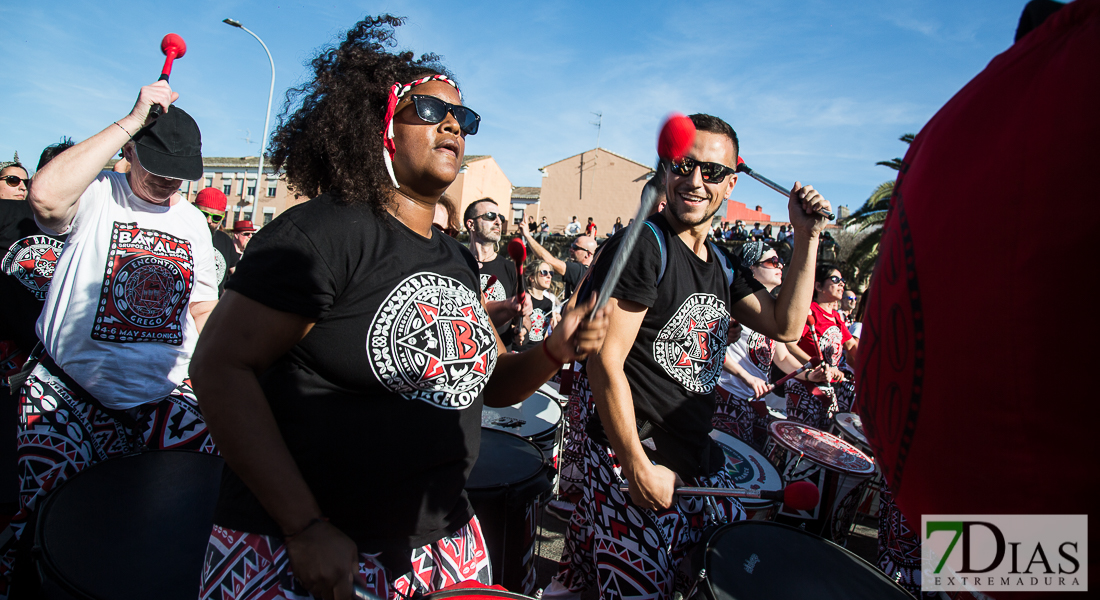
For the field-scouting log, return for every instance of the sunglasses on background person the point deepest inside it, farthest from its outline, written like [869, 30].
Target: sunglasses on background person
[850, 298]
[490, 216]
[772, 262]
[245, 233]
[214, 217]
[711, 172]
[13, 180]
[577, 248]
[434, 110]
[545, 273]
[836, 279]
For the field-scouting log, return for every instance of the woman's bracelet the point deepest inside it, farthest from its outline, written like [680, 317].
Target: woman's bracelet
[554, 359]
[124, 129]
[312, 522]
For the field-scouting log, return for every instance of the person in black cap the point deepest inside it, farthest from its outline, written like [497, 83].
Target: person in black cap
[123, 312]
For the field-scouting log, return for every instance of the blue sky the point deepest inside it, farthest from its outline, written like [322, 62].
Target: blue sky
[817, 90]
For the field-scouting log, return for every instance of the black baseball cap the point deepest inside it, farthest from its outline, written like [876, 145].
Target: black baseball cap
[171, 146]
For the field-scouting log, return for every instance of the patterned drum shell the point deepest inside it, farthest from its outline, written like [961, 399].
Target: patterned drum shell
[751, 471]
[837, 468]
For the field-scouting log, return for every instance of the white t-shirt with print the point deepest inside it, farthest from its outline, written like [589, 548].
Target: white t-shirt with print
[116, 318]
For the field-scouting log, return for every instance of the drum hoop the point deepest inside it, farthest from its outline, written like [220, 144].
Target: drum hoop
[720, 530]
[44, 561]
[474, 591]
[510, 485]
[772, 432]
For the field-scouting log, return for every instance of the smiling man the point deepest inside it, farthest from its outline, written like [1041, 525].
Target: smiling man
[129, 295]
[653, 381]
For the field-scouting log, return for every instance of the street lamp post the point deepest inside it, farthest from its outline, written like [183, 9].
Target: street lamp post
[267, 117]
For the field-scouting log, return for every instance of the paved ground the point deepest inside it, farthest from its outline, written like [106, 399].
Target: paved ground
[863, 541]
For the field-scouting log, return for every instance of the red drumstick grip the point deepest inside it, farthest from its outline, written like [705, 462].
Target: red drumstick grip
[173, 47]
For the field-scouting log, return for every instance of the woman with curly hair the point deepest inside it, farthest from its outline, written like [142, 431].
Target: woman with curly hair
[343, 373]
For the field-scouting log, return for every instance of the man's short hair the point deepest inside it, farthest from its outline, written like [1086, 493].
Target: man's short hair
[712, 124]
[469, 214]
[50, 152]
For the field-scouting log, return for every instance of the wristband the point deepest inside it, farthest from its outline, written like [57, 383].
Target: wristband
[124, 129]
[312, 522]
[552, 358]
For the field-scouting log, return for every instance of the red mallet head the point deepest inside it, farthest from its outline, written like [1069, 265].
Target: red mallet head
[173, 47]
[677, 136]
[801, 495]
[518, 252]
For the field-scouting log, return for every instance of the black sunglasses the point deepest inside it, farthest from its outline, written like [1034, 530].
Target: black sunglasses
[712, 172]
[451, 231]
[836, 279]
[577, 248]
[434, 110]
[490, 216]
[13, 180]
[773, 262]
[214, 218]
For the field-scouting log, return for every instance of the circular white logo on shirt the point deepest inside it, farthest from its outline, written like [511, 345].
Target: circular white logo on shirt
[830, 345]
[495, 292]
[692, 344]
[432, 341]
[32, 261]
[760, 350]
[539, 319]
[219, 266]
[148, 289]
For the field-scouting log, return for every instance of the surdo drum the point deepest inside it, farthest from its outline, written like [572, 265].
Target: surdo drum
[751, 471]
[837, 468]
[504, 488]
[750, 560]
[849, 427]
[538, 418]
[129, 527]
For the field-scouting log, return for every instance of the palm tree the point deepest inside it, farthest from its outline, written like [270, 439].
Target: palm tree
[869, 218]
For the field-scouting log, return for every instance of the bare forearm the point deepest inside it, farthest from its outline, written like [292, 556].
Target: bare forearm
[793, 303]
[518, 376]
[244, 429]
[615, 405]
[200, 311]
[58, 186]
[545, 255]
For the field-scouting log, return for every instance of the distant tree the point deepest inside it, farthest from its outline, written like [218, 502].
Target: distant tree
[869, 218]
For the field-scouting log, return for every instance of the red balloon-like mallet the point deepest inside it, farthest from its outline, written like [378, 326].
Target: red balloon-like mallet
[173, 47]
[676, 137]
[518, 252]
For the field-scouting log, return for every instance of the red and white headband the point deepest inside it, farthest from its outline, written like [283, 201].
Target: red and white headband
[396, 92]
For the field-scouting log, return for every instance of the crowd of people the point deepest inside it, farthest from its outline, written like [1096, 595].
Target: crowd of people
[350, 344]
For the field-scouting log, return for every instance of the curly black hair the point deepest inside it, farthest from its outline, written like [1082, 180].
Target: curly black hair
[329, 135]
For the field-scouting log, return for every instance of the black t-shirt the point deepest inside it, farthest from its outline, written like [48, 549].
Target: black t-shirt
[226, 257]
[574, 272]
[502, 289]
[380, 404]
[28, 257]
[542, 315]
[677, 356]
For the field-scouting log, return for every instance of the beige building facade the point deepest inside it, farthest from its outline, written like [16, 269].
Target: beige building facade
[236, 177]
[596, 183]
[481, 177]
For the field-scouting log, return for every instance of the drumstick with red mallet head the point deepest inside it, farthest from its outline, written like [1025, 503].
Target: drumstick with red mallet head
[813, 364]
[173, 47]
[676, 137]
[800, 495]
[744, 168]
[518, 252]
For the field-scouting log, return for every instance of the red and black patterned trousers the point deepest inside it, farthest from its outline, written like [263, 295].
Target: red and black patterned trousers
[635, 553]
[250, 566]
[61, 433]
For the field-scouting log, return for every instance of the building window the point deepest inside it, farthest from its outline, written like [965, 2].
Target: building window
[251, 190]
[517, 214]
[209, 181]
[269, 214]
[271, 191]
[227, 188]
[240, 186]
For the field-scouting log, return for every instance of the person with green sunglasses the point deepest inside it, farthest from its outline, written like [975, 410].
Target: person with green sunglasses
[212, 203]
